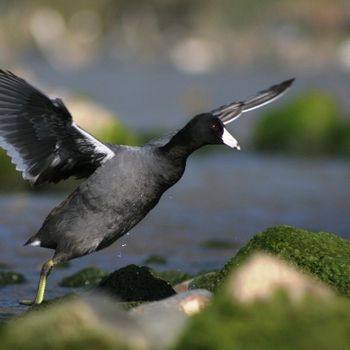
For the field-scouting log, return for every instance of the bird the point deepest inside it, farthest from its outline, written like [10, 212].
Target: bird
[121, 183]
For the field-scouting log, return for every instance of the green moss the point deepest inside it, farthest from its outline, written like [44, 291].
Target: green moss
[135, 283]
[90, 276]
[172, 277]
[322, 254]
[10, 277]
[274, 324]
[307, 125]
[207, 281]
[155, 260]
[65, 325]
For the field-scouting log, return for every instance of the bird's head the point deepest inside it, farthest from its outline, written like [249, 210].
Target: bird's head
[208, 129]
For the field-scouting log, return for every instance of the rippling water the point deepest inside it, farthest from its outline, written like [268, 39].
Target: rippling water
[226, 195]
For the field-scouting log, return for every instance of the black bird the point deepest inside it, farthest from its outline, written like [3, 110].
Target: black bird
[122, 183]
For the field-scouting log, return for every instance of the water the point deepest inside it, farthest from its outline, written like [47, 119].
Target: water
[225, 195]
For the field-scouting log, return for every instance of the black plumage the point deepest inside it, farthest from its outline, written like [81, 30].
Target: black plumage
[122, 183]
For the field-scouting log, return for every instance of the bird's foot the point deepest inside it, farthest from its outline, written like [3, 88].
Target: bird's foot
[27, 302]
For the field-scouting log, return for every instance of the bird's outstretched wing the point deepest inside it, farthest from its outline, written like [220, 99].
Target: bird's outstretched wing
[228, 113]
[40, 136]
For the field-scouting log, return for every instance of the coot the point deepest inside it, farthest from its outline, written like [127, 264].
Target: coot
[123, 183]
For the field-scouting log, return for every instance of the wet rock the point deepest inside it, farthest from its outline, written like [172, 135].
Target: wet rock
[164, 320]
[63, 265]
[263, 274]
[206, 281]
[134, 283]
[311, 124]
[172, 277]
[90, 276]
[270, 307]
[93, 323]
[10, 277]
[324, 255]
[155, 260]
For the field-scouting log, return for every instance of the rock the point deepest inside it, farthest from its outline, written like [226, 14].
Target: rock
[171, 276]
[263, 274]
[93, 323]
[134, 283]
[90, 276]
[164, 320]
[207, 281]
[10, 277]
[283, 309]
[183, 286]
[155, 260]
[324, 255]
[311, 124]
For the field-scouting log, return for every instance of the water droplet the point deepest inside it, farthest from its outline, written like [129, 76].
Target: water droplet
[124, 245]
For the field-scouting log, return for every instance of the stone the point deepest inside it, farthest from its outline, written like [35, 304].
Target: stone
[92, 323]
[268, 307]
[135, 283]
[164, 320]
[10, 277]
[323, 255]
[90, 276]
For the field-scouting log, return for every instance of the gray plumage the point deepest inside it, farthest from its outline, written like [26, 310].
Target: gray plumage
[122, 183]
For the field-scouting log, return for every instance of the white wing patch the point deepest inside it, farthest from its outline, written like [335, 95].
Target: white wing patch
[17, 159]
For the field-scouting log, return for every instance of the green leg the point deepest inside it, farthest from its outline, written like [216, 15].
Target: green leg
[45, 270]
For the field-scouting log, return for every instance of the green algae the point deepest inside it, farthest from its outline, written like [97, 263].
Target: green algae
[155, 260]
[10, 277]
[173, 277]
[274, 324]
[90, 276]
[312, 123]
[324, 255]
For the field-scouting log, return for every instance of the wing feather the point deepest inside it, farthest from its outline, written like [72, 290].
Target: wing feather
[40, 136]
[228, 113]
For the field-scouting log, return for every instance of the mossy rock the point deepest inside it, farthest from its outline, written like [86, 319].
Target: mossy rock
[306, 125]
[74, 324]
[206, 281]
[275, 324]
[324, 255]
[90, 276]
[10, 277]
[155, 260]
[172, 277]
[135, 283]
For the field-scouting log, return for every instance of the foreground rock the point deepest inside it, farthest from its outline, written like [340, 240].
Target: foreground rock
[134, 283]
[94, 323]
[324, 255]
[268, 304]
[166, 319]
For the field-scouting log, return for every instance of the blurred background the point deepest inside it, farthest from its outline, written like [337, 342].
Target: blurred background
[130, 70]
